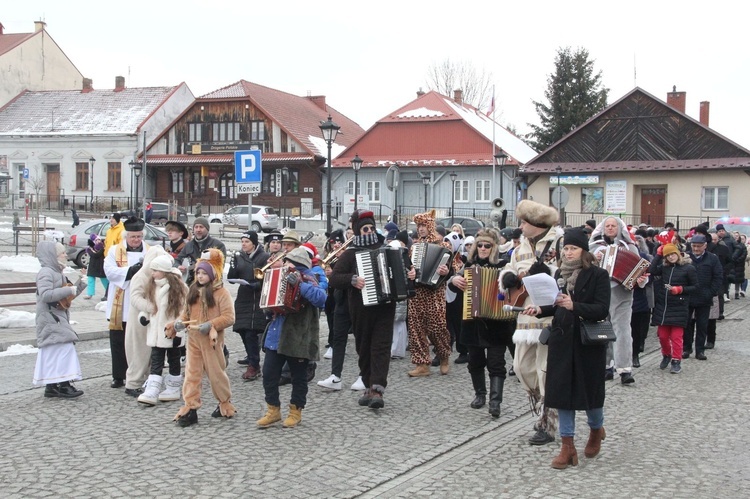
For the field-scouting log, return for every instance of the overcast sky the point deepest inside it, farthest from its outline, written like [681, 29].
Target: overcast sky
[370, 58]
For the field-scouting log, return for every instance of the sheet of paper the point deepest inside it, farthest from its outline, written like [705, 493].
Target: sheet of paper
[542, 289]
[238, 281]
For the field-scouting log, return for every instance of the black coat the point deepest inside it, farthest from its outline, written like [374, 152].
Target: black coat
[247, 311]
[669, 309]
[575, 372]
[96, 262]
[740, 254]
[710, 280]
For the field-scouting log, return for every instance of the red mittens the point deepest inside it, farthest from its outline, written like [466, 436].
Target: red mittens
[675, 290]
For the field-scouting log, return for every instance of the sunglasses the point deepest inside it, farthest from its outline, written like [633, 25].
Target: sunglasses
[367, 228]
[484, 245]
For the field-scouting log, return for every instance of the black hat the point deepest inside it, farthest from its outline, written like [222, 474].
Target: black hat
[361, 218]
[336, 236]
[576, 237]
[117, 217]
[403, 236]
[720, 227]
[591, 223]
[175, 225]
[516, 233]
[252, 235]
[134, 224]
[273, 236]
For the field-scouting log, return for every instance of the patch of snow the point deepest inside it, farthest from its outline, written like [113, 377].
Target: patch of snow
[421, 112]
[16, 318]
[18, 350]
[20, 263]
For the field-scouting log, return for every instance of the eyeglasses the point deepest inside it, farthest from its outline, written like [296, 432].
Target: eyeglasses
[367, 228]
[484, 245]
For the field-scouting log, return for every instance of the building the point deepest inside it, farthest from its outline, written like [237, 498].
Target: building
[646, 160]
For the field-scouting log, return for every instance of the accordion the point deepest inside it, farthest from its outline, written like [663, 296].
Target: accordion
[624, 266]
[481, 298]
[427, 257]
[384, 274]
[277, 295]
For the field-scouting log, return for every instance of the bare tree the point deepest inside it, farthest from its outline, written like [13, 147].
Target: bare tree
[37, 182]
[447, 76]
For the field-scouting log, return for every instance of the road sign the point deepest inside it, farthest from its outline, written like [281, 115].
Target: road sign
[560, 197]
[253, 188]
[26, 173]
[391, 177]
[247, 167]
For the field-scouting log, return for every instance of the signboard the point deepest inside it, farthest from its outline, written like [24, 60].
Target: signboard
[615, 196]
[575, 180]
[247, 167]
[247, 188]
[26, 173]
[560, 197]
[279, 182]
[363, 202]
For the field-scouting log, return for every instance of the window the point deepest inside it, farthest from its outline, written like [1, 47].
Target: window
[461, 191]
[21, 181]
[226, 132]
[82, 176]
[715, 198]
[226, 186]
[257, 131]
[279, 182]
[483, 190]
[195, 132]
[114, 176]
[350, 187]
[373, 191]
[196, 183]
[178, 182]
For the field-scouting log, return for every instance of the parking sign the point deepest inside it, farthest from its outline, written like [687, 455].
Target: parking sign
[247, 167]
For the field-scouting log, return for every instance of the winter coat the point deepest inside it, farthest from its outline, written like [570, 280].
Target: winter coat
[669, 309]
[192, 251]
[575, 372]
[52, 325]
[710, 279]
[249, 315]
[724, 254]
[221, 315]
[113, 237]
[139, 301]
[155, 336]
[740, 255]
[96, 258]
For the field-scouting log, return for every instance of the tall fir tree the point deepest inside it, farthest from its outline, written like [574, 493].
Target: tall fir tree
[574, 94]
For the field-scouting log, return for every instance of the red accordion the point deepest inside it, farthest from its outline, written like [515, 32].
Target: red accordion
[624, 266]
[277, 295]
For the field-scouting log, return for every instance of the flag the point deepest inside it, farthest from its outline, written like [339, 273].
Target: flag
[492, 105]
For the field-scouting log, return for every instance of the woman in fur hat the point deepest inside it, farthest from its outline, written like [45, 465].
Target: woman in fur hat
[209, 311]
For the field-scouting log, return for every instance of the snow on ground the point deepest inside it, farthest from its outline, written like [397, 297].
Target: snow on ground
[101, 306]
[20, 263]
[19, 350]
[16, 318]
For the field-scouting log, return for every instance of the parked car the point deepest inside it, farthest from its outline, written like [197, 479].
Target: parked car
[265, 218]
[77, 242]
[161, 213]
[471, 225]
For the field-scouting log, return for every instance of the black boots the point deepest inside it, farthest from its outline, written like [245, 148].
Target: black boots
[188, 419]
[479, 382]
[636, 360]
[62, 390]
[496, 395]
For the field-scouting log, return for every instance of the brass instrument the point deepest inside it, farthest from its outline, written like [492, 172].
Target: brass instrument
[260, 271]
[331, 258]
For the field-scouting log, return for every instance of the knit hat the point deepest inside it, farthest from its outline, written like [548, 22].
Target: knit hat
[252, 235]
[312, 250]
[575, 236]
[669, 249]
[207, 268]
[507, 233]
[202, 221]
[468, 240]
[178, 226]
[591, 223]
[214, 258]
[164, 263]
[517, 233]
[291, 237]
[299, 256]
[403, 236]
[720, 227]
[134, 224]
[390, 226]
[537, 214]
[359, 219]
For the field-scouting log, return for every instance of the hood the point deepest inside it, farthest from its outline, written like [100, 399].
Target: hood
[428, 220]
[622, 234]
[46, 253]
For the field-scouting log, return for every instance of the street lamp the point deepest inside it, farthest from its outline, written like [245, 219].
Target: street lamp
[329, 129]
[356, 164]
[136, 169]
[91, 167]
[425, 183]
[453, 195]
[500, 159]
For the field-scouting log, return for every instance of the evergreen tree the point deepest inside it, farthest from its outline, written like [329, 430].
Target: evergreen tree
[574, 94]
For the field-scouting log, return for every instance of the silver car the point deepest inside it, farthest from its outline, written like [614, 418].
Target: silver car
[265, 218]
[77, 242]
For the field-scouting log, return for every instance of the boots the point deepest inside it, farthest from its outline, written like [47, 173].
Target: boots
[420, 370]
[445, 365]
[479, 382]
[188, 419]
[496, 395]
[595, 442]
[294, 418]
[151, 394]
[273, 415]
[173, 388]
[568, 455]
[62, 390]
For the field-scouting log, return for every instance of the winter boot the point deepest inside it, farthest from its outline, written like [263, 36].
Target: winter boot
[294, 418]
[420, 370]
[173, 389]
[595, 442]
[568, 455]
[273, 415]
[664, 361]
[151, 394]
[188, 419]
[676, 368]
[479, 382]
[496, 395]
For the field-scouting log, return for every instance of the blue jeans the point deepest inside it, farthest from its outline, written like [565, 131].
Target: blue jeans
[568, 420]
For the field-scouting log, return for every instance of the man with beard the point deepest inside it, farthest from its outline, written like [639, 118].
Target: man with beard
[201, 242]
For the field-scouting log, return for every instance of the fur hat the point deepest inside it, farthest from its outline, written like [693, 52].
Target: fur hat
[215, 258]
[299, 256]
[537, 214]
[202, 221]
[252, 235]
[134, 224]
[575, 236]
[428, 220]
[291, 236]
[486, 236]
[177, 226]
[359, 219]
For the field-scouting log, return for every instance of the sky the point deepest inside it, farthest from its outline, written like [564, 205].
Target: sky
[370, 58]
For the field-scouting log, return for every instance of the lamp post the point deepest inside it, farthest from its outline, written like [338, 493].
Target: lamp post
[356, 164]
[425, 183]
[558, 170]
[500, 159]
[284, 189]
[91, 167]
[136, 167]
[330, 130]
[453, 193]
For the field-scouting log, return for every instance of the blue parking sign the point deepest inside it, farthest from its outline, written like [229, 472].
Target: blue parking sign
[26, 173]
[247, 166]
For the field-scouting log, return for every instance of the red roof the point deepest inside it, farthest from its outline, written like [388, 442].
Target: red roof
[11, 41]
[224, 159]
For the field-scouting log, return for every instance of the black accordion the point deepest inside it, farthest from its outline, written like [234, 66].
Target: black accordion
[427, 257]
[384, 274]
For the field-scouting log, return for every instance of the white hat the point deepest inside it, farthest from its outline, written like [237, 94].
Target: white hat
[164, 263]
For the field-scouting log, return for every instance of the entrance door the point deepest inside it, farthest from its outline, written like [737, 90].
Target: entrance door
[53, 185]
[653, 206]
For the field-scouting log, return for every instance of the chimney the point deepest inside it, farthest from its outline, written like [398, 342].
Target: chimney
[88, 85]
[319, 100]
[676, 99]
[39, 26]
[119, 83]
[420, 92]
[458, 97]
[704, 112]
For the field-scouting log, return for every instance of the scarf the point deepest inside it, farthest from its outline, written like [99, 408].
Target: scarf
[569, 270]
[364, 240]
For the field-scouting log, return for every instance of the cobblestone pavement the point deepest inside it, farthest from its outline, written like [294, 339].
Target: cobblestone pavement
[667, 436]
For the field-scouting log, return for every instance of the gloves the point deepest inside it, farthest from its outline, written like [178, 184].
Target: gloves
[660, 250]
[133, 271]
[204, 328]
[292, 278]
[510, 280]
[73, 290]
[143, 319]
[675, 290]
[179, 326]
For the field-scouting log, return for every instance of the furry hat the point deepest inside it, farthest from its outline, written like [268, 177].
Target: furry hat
[359, 219]
[428, 220]
[215, 258]
[299, 256]
[537, 214]
[455, 239]
[485, 236]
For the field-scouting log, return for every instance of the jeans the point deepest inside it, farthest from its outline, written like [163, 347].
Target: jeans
[272, 366]
[568, 420]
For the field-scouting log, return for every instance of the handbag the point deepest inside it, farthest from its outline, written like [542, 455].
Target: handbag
[597, 333]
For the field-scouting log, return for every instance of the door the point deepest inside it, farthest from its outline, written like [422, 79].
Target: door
[653, 206]
[53, 185]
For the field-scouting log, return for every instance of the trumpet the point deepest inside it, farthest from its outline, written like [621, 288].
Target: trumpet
[260, 271]
[331, 258]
